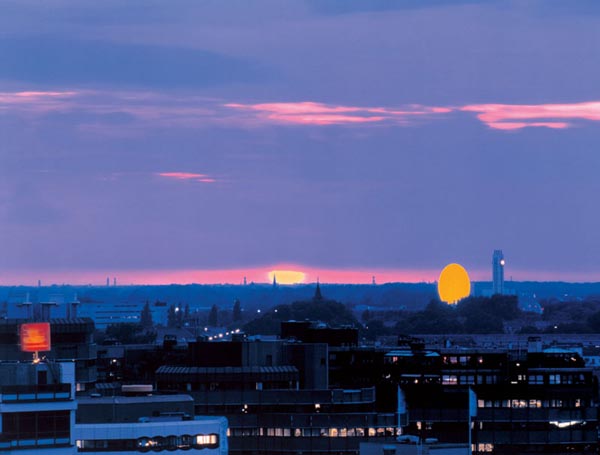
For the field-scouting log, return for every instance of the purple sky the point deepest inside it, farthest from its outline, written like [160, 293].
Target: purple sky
[151, 137]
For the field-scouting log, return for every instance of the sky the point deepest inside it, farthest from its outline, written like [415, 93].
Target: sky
[186, 141]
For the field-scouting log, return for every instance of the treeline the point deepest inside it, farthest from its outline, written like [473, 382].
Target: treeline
[581, 316]
[471, 315]
[329, 312]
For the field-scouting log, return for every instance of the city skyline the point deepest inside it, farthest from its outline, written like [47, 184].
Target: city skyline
[187, 142]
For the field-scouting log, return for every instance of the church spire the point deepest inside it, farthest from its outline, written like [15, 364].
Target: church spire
[318, 295]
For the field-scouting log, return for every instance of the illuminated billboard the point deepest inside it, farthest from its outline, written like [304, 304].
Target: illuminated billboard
[35, 337]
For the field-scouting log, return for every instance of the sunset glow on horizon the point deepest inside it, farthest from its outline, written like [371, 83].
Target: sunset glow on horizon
[286, 275]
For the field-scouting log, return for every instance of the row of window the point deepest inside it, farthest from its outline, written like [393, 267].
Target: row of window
[462, 360]
[146, 444]
[36, 425]
[536, 379]
[530, 427]
[30, 443]
[532, 403]
[453, 379]
[313, 432]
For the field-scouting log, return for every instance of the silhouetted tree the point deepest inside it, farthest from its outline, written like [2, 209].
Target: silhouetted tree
[171, 317]
[327, 311]
[366, 315]
[129, 334]
[146, 316]
[178, 316]
[237, 311]
[375, 328]
[213, 316]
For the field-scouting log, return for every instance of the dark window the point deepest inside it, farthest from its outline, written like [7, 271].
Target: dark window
[42, 377]
[36, 425]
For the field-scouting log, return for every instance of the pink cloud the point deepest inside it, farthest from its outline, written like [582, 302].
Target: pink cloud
[519, 125]
[156, 110]
[202, 178]
[37, 101]
[311, 113]
[517, 116]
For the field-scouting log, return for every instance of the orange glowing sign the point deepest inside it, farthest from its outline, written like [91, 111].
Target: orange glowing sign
[35, 337]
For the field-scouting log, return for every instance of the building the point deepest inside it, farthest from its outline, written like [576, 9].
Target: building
[203, 435]
[498, 272]
[72, 340]
[37, 408]
[157, 423]
[518, 401]
[276, 398]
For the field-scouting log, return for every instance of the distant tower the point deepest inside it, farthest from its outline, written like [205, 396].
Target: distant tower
[498, 272]
[373, 281]
[114, 281]
[39, 283]
[274, 280]
[318, 296]
[245, 282]
[107, 281]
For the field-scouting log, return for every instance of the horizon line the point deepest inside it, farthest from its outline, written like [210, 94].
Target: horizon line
[286, 274]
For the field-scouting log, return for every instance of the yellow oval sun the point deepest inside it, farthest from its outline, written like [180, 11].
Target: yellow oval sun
[454, 284]
[287, 276]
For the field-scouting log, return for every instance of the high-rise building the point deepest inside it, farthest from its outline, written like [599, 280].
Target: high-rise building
[498, 272]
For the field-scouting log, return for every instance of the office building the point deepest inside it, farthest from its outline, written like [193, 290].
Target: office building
[506, 401]
[37, 408]
[498, 272]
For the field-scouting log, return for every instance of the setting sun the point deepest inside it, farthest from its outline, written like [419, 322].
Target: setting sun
[454, 283]
[287, 276]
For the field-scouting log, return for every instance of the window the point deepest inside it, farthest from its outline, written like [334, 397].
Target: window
[519, 403]
[536, 379]
[467, 379]
[449, 379]
[32, 426]
[535, 403]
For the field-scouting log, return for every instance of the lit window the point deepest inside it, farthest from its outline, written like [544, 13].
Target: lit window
[205, 440]
[449, 379]
[519, 403]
